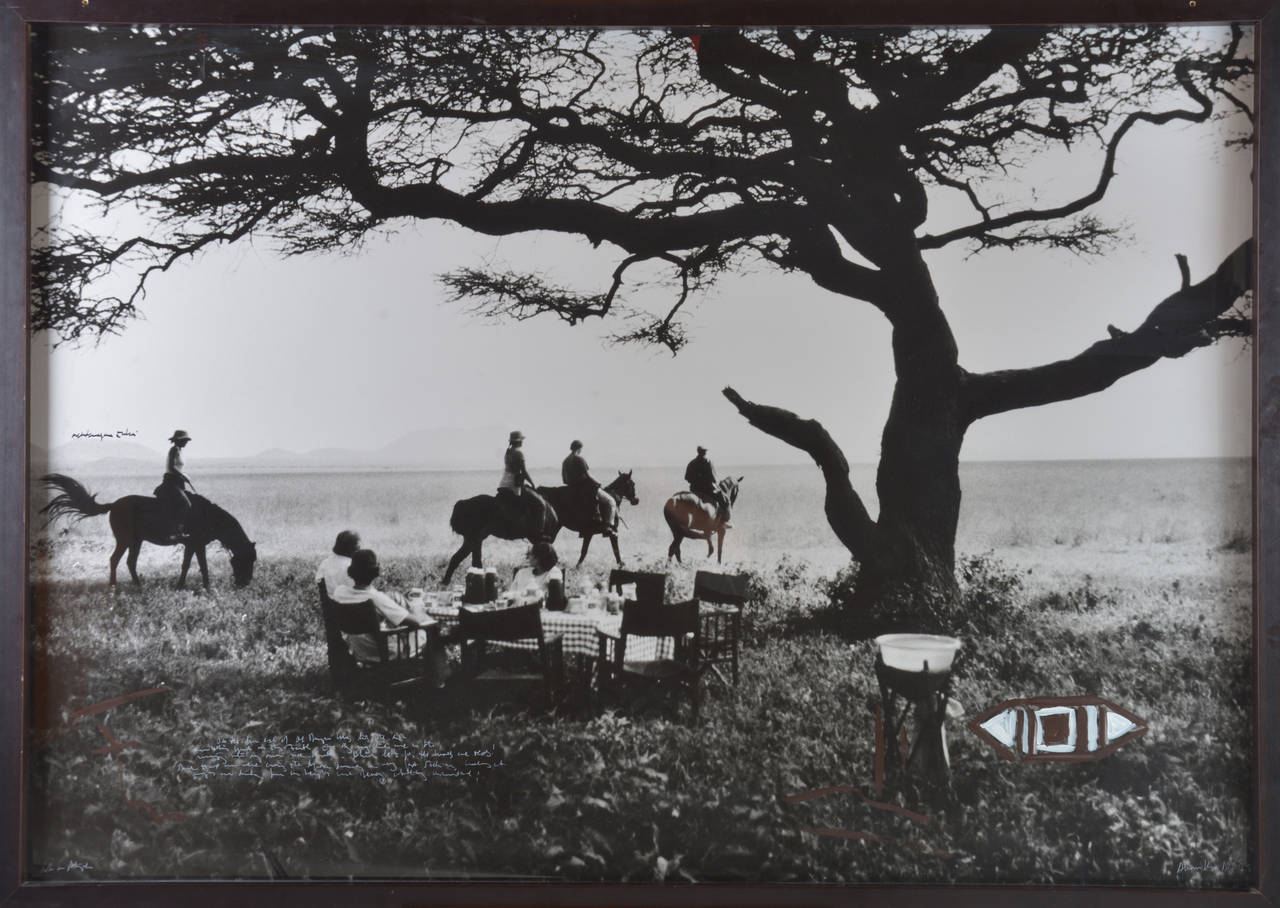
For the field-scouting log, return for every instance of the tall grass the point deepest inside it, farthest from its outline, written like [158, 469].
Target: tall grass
[613, 794]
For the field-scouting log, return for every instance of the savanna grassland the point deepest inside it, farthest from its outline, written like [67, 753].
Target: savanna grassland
[1130, 581]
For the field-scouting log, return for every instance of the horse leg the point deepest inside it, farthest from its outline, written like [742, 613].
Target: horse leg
[204, 566]
[711, 548]
[674, 550]
[719, 545]
[132, 561]
[586, 542]
[187, 552]
[121, 545]
[617, 555]
[456, 560]
[475, 554]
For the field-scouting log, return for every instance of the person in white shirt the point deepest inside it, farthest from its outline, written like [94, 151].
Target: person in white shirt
[359, 588]
[537, 571]
[333, 570]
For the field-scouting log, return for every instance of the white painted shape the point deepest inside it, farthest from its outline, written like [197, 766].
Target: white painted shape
[1046, 711]
[1003, 727]
[1118, 726]
[1091, 721]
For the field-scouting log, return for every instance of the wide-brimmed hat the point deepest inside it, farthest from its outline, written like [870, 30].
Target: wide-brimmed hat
[364, 565]
[180, 435]
[517, 435]
[701, 449]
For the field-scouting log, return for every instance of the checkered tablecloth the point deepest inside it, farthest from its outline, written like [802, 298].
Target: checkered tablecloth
[578, 631]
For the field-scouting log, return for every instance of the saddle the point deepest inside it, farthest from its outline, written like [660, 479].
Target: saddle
[524, 510]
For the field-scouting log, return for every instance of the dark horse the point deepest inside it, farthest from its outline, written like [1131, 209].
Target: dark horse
[692, 518]
[136, 519]
[569, 508]
[477, 518]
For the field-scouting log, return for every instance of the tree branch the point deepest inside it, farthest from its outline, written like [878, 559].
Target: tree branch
[844, 507]
[1194, 316]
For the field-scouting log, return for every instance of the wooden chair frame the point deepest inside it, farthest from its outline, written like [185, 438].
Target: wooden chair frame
[722, 625]
[403, 656]
[476, 629]
[654, 619]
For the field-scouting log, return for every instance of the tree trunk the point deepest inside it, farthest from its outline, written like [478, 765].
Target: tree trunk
[906, 556]
[918, 480]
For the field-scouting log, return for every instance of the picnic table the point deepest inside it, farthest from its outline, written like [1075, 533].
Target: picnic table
[579, 632]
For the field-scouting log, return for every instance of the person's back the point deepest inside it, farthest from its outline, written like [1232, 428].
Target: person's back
[574, 470]
[333, 569]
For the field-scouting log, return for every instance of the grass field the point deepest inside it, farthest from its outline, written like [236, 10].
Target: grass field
[1145, 602]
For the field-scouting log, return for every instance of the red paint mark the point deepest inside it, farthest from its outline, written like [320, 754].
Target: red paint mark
[880, 748]
[114, 746]
[696, 41]
[911, 815]
[116, 701]
[875, 837]
[151, 812]
[848, 834]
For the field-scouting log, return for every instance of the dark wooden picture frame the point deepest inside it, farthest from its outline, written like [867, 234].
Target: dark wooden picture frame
[17, 16]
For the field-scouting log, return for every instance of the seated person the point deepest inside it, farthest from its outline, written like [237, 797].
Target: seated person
[333, 570]
[359, 588]
[537, 571]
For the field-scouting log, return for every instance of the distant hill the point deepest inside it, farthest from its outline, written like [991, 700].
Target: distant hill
[426, 449]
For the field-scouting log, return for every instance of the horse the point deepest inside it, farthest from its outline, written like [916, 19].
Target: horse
[136, 519]
[481, 516]
[689, 517]
[572, 517]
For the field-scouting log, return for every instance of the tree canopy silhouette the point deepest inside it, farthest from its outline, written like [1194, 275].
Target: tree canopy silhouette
[818, 151]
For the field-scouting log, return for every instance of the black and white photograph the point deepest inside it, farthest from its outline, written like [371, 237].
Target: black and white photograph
[687, 455]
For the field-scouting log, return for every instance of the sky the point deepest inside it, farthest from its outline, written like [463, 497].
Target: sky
[249, 352]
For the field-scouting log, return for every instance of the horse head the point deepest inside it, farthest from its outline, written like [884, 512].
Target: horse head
[729, 488]
[242, 562]
[624, 487]
[729, 493]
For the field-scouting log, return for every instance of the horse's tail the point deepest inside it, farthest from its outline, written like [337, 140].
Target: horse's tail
[462, 519]
[73, 501]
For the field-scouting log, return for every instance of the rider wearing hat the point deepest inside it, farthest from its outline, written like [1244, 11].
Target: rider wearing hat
[172, 489]
[701, 476]
[576, 476]
[514, 475]
[527, 508]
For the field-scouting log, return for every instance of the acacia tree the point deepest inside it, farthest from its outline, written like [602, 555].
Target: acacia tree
[812, 151]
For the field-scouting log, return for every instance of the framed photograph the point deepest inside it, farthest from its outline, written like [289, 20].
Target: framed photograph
[497, 453]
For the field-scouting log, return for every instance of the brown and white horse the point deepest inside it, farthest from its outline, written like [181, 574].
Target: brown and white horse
[689, 517]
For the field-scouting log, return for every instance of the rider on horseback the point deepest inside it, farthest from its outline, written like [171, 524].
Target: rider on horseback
[576, 476]
[515, 489]
[172, 489]
[701, 476]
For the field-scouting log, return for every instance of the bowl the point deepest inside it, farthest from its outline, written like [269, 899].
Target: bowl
[910, 652]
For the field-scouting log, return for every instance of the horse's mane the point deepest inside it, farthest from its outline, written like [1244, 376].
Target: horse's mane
[219, 516]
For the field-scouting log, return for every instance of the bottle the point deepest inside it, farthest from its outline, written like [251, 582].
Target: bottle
[555, 590]
[473, 592]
